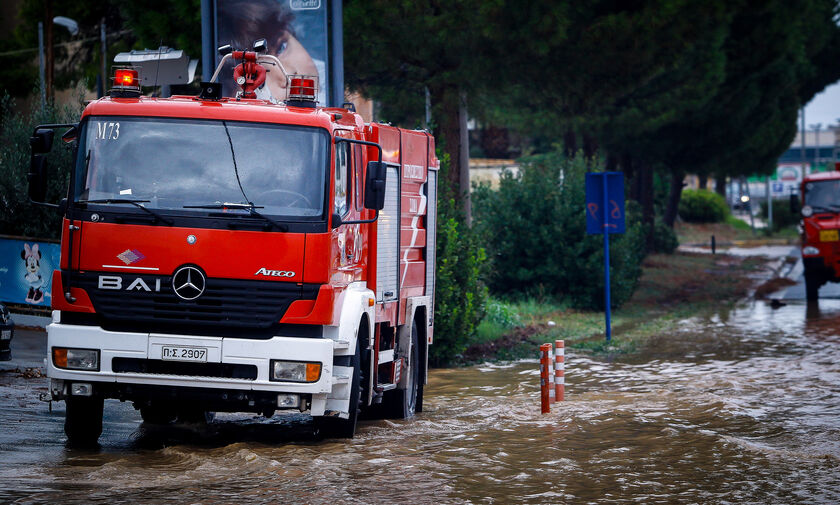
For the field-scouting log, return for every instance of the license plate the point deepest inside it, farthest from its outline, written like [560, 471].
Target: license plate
[6, 335]
[180, 353]
[829, 236]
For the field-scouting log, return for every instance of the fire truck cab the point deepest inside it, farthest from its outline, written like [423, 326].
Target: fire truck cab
[819, 230]
[240, 254]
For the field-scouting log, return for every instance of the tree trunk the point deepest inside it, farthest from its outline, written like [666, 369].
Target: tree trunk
[720, 185]
[570, 143]
[449, 106]
[49, 55]
[674, 198]
[703, 181]
[646, 193]
[464, 157]
[590, 148]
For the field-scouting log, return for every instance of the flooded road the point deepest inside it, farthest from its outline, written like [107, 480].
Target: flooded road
[742, 407]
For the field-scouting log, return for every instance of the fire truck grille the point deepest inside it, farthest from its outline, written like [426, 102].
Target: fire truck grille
[224, 304]
[159, 367]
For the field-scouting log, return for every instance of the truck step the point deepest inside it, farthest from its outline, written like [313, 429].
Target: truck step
[341, 344]
[385, 387]
[386, 356]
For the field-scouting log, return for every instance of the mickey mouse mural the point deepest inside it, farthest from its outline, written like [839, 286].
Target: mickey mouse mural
[32, 258]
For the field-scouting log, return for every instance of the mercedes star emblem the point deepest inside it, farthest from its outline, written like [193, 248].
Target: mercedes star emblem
[188, 283]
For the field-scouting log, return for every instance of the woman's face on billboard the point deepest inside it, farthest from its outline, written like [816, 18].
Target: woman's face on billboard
[295, 59]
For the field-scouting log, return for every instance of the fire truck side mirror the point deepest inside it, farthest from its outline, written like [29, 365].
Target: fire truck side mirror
[375, 185]
[41, 141]
[38, 178]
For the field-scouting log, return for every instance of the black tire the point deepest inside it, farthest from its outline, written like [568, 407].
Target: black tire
[812, 287]
[83, 420]
[195, 415]
[403, 402]
[335, 427]
[157, 414]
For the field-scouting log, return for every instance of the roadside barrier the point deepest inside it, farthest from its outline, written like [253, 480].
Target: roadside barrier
[560, 369]
[552, 396]
[552, 374]
[545, 403]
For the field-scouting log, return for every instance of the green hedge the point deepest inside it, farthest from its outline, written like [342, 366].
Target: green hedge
[534, 226]
[782, 216]
[702, 206]
[460, 294]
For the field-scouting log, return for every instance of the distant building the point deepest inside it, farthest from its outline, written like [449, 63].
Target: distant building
[821, 148]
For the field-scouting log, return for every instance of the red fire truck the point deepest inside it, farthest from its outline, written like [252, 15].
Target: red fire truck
[240, 254]
[820, 223]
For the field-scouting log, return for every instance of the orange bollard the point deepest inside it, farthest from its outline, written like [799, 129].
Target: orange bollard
[559, 370]
[545, 404]
[551, 389]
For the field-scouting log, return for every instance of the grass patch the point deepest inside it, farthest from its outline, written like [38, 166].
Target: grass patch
[728, 232]
[672, 288]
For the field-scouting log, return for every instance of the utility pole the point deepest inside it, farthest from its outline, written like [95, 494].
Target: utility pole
[802, 139]
[816, 127]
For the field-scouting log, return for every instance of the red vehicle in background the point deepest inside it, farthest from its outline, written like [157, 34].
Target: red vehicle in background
[240, 254]
[820, 224]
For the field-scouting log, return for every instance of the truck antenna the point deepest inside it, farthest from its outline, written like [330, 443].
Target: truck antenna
[157, 70]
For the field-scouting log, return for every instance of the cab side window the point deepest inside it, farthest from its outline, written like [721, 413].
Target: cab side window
[342, 178]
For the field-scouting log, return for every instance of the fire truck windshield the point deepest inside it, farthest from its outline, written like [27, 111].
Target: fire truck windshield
[823, 195]
[186, 164]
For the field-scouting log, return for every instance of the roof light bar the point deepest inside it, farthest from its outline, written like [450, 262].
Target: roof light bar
[126, 83]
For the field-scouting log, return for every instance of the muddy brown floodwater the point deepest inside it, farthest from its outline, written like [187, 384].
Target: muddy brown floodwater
[742, 407]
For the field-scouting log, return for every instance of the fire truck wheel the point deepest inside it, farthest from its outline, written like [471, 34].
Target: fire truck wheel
[157, 414]
[403, 402]
[83, 421]
[334, 427]
[812, 287]
[195, 416]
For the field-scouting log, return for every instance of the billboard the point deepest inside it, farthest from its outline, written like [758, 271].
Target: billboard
[26, 268]
[788, 177]
[296, 33]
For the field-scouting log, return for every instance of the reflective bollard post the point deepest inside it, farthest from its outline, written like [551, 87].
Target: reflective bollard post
[559, 369]
[545, 404]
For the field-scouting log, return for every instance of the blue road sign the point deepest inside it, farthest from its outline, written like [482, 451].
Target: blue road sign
[605, 211]
[613, 203]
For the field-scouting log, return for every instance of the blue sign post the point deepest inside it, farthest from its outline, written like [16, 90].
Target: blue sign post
[605, 214]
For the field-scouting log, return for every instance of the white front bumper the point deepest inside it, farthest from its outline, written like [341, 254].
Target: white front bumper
[220, 350]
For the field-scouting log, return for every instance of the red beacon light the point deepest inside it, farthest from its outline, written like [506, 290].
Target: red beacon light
[126, 83]
[303, 91]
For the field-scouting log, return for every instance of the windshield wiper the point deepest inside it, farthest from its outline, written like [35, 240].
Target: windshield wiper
[136, 203]
[250, 207]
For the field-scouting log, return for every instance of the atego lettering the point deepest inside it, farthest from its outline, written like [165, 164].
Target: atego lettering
[275, 273]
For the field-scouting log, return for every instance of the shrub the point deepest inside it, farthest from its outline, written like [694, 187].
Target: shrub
[664, 238]
[782, 216]
[18, 216]
[535, 229]
[460, 295]
[702, 206]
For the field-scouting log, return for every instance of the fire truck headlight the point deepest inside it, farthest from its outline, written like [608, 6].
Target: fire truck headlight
[76, 359]
[810, 251]
[295, 371]
[807, 211]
